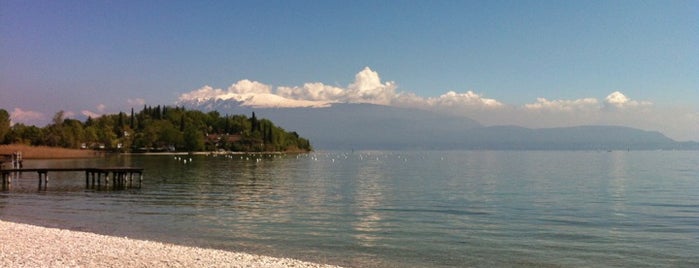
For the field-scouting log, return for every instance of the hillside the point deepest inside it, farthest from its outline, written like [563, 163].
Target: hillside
[161, 129]
[368, 126]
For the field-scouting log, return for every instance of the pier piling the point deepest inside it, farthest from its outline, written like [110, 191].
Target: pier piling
[120, 175]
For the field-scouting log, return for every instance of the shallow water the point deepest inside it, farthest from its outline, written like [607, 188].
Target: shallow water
[419, 209]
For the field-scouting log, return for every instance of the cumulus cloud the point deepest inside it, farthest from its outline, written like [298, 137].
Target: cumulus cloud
[89, 113]
[27, 117]
[68, 114]
[312, 91]
[467, 99]
[618, 100]
[249, 87]
[204, 93]
[542, 104]
[100, 111]
[615, 100]
[367, 87]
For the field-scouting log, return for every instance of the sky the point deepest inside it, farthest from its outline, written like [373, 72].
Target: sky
[527, 63]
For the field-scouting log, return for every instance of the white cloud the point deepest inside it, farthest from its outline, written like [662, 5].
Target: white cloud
[618, 100]
[367, 88]
[90, 113]
[202, 94]
[467, 103]
[542, 104]
[68, 114]
[313, 91]
[615, 100]
[468, 99]
[26, 117]
[100, 111]
[276, 101]
[249, 87]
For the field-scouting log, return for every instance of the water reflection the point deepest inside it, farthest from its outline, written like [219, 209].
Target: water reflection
[368, 197]
[618, 176]
[392, 209]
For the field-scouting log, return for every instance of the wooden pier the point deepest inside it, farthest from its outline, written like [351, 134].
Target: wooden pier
[15, 159]
[121, 177]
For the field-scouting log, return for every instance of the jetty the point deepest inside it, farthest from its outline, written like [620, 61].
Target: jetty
[14, 158]
[121, 177]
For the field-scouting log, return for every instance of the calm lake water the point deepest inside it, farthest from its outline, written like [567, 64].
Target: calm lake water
[395, 209]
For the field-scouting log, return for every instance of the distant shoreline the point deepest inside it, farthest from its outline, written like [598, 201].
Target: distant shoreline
[215, 153]
[46, 152]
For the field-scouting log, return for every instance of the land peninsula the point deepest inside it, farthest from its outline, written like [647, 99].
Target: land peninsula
[153, 129]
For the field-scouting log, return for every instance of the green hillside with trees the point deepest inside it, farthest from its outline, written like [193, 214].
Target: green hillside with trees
[156, 129]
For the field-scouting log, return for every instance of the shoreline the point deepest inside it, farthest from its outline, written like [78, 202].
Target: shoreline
[23, 245]
[46, 152]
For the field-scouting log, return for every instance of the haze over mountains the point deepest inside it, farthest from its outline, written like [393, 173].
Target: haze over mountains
[370, 126]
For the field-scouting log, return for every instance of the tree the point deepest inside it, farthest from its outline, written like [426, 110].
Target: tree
[167, 134]
[255, 125]
[4, 125]
[119, 129]
[131, 124]
[59, 117]
[54, 135]
[29, 135]
[193, 140]
[157, 127]
[73, 133]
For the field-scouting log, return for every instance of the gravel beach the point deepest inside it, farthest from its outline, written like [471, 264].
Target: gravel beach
[23, 245]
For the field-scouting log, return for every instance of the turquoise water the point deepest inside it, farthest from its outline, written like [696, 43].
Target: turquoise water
[395, 209]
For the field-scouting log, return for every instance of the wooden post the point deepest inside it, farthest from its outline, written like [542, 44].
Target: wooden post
[45, 175]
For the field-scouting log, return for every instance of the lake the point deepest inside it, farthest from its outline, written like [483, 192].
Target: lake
[394, 209]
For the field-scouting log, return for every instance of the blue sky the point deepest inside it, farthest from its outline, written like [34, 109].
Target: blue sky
[106, 56]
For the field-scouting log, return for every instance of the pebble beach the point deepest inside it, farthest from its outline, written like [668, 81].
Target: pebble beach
[23, 245]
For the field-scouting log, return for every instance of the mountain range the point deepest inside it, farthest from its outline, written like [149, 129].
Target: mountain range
[369, 126]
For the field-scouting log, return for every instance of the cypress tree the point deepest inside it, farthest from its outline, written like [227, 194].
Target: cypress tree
[131, 124]
[254, 123]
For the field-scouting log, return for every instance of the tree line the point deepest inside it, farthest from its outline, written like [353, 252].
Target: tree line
[157, 128]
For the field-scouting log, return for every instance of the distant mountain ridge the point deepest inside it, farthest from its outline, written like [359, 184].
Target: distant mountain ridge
[568, 138]
[369, 126]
